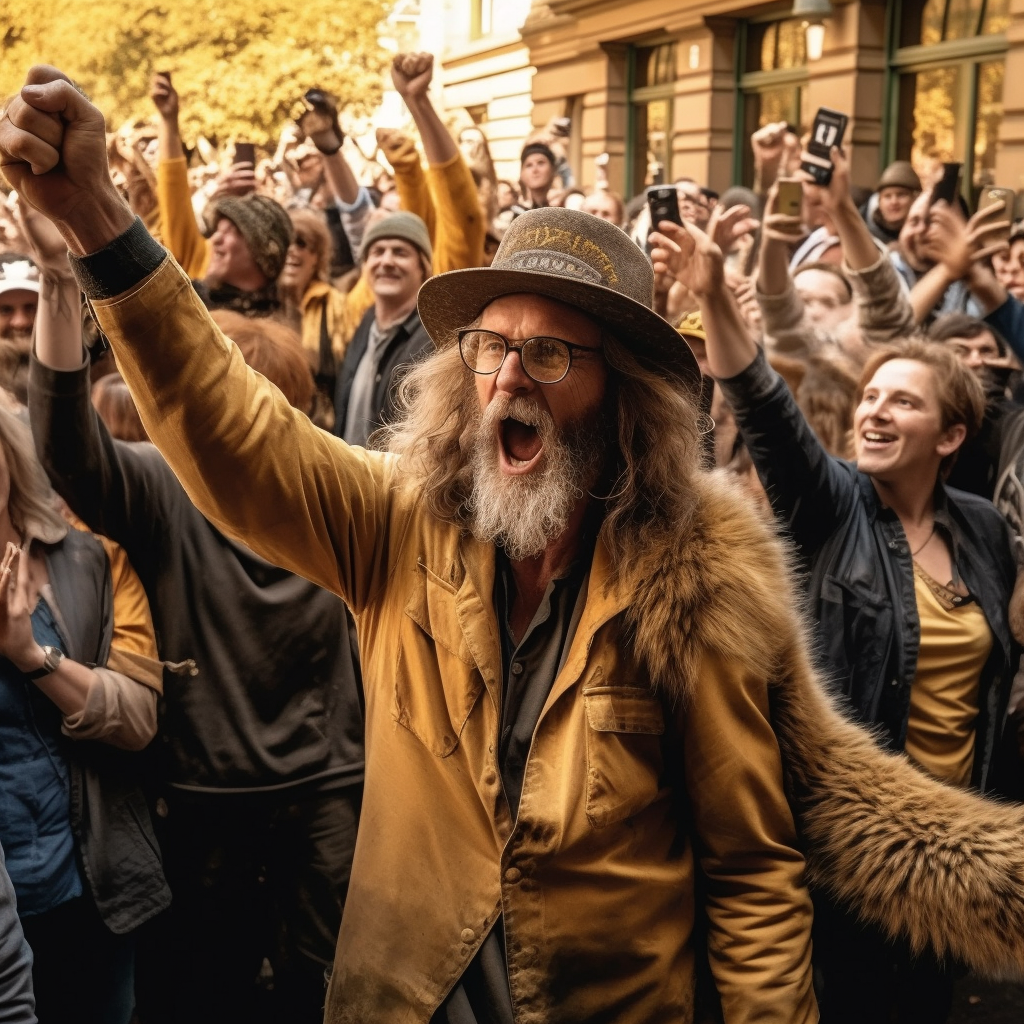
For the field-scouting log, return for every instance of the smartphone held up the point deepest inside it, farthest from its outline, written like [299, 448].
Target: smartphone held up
[827, 131]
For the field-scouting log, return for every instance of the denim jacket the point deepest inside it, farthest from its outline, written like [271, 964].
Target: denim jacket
[860, 575]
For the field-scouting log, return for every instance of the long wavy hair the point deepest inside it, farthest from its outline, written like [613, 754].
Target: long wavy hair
[647, 488]
[31, 502]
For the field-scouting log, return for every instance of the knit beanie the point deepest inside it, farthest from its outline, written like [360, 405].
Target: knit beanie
[404, 225]
[538, 147]
[265, 226]
[899, 174]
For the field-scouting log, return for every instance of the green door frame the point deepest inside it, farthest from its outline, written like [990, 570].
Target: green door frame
[755, 81]
[966, 53]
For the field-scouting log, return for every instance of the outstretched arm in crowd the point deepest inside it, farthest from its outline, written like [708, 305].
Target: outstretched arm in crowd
[883, 311]
[809, 490]
[258, 469]
[178, 225]
[961, 250]
[957, 247]
[782, 309]
[458, 226]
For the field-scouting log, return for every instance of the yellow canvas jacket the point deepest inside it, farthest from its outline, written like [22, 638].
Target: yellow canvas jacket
[625, 790]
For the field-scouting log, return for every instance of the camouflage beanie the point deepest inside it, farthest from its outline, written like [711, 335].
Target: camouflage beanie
[265, 226]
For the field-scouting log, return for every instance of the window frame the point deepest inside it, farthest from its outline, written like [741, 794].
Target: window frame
[966, 54]
[635, 96]
[752, 82]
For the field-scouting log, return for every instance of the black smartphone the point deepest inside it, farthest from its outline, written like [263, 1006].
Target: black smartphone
[827, 131]
[948, 185]
[664, 205]
[245, 152]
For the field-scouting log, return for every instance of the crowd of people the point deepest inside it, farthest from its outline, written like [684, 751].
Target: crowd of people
[442, 598]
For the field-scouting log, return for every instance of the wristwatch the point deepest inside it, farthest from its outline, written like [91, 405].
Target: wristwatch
[53, 657]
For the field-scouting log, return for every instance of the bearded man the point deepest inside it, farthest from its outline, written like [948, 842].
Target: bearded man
[583, 670]
[19, 296]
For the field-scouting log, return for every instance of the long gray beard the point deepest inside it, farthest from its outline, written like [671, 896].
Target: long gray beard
[523, 514]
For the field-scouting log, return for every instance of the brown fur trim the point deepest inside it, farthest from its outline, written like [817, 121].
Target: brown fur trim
[939, 866]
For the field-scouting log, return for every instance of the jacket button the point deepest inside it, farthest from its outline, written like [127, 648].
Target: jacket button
[894, 682]
[490, 778]
[468, 935]
[517, 668]
[513, 875]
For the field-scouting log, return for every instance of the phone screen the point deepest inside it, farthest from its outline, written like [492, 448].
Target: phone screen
[790, 196]
[827, 131]
[245, 152]
[664, 204]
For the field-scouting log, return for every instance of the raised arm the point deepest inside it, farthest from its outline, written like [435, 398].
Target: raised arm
[883, 309]
[961, 250]
[257, 468]
[178, 225]
[458, 231]
[809, 489]
[782, 310]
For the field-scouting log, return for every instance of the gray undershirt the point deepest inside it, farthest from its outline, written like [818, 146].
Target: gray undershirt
[360, 416]
[529, 668]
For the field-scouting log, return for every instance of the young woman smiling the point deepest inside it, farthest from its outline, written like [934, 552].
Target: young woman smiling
[909, 581]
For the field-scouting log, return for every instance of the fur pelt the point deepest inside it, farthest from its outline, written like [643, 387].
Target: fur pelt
[939, 866]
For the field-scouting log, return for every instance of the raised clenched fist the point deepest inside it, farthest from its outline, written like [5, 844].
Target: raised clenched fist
[53, 151]
[164, 96]
[411, 73]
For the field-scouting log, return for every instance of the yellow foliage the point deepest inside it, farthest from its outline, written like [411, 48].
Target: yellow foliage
[238, 65]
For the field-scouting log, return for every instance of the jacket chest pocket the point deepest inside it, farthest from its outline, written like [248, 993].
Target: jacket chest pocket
[624, 756]
[436, 680]
[856, 630]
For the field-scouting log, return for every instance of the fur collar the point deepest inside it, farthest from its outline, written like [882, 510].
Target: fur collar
[940, 866]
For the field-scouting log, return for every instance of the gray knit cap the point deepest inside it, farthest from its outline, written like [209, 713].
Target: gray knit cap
[404, 225]
[265, 226]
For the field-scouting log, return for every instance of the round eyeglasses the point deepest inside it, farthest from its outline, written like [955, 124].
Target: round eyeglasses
[545, 360]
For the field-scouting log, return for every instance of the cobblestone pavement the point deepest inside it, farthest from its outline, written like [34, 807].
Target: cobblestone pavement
[982, 1002]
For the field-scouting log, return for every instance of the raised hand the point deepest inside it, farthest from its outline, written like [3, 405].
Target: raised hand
[836, 194]
[412, 73]
[53, 151]
[17, 642]
[690, 256]
[238, 180]
[49, 250]
[769, 142]
[959, 245]
[164, 96]
[727, 227]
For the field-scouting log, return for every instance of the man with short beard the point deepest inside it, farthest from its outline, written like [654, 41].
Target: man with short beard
[19, 296]
[568, 725]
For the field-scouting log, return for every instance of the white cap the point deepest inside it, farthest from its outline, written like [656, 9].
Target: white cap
[19, 275]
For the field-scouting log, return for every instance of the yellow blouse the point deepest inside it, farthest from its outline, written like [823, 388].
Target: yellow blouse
[955, 644]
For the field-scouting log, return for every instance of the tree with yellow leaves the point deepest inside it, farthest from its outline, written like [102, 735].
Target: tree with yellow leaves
[239, 66]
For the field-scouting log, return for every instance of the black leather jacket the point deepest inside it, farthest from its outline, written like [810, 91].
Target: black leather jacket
[860, 581]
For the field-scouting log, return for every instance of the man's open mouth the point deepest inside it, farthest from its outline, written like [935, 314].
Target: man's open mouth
[521, 444]
[876, 441]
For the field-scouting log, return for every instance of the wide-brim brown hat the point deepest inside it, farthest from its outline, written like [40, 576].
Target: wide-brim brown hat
[577, 259]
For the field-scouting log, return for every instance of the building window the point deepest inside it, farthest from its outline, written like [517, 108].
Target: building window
[652, 75]
[772, 82]
[947, 97]
[481, 18]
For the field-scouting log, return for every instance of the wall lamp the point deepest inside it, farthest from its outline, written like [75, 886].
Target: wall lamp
[814, 13]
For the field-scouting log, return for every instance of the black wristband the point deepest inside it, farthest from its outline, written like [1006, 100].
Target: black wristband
[127, 260]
